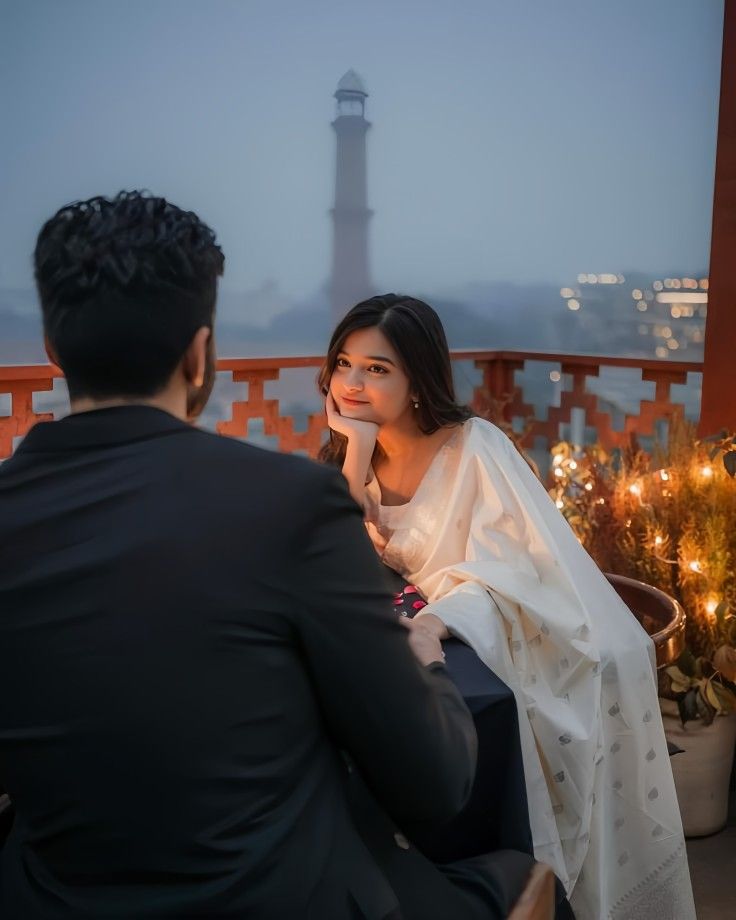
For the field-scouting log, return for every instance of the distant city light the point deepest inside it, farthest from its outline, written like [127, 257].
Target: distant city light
[567, 292]
[637, 294]
[657, 285]
[666, 332]
[676, 311]
[703, 283]
[573, 304]
[673, 344]
[661, 352]
[554, 376]
[642, 306]
[592, 279]
[582, 278]
[683, 297]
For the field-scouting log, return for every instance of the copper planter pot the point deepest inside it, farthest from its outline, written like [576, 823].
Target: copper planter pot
[660, 615]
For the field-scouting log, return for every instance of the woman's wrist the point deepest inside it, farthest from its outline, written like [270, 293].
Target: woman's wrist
[432, 622]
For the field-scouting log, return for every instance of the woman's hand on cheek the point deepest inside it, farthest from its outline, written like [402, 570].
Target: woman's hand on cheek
[351, 428]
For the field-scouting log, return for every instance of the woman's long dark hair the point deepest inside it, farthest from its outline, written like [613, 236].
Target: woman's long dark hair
[416, 334]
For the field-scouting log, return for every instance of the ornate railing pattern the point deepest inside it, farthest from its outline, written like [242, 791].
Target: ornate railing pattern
[499, 394]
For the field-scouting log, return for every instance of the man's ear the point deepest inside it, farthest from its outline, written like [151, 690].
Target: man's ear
[194, 362]
[50, 352]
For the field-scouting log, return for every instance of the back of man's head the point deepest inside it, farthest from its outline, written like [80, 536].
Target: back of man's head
[124, 285]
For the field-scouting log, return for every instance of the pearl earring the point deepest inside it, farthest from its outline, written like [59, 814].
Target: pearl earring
[416, 403]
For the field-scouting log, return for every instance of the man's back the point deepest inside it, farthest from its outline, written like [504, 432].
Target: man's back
[189, 631]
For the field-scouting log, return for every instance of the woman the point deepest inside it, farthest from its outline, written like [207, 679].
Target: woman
[451, 504]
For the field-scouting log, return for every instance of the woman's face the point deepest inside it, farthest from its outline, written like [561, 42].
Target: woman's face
[368, 382]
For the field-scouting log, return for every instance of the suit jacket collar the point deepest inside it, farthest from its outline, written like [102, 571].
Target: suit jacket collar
[101, 428]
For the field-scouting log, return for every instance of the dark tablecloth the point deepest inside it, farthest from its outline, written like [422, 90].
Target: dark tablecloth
[496, 817]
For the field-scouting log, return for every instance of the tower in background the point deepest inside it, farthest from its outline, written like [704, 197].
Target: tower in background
[350, 281]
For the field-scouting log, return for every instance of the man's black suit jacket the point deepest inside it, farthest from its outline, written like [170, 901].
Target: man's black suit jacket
[191, 630]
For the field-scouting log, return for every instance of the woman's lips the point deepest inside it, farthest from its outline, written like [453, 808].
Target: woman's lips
[353, 402]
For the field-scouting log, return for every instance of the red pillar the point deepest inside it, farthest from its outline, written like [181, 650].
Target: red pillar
[718, 408]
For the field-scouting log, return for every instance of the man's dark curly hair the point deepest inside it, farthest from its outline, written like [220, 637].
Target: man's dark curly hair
[124, 284]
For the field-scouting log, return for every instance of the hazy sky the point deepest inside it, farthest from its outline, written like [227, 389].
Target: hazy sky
[526, 140]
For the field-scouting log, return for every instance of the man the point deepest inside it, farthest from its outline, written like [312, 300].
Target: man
[192, 633]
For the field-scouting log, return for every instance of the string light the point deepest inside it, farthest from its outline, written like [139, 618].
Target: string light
[560, 504]
[635, 489]
[558, 472]
[573, 465]
[695, 566]
[711, 605]
[664, 475]
[706, 471]
[658, 540]
[588, 486]
[557, 459]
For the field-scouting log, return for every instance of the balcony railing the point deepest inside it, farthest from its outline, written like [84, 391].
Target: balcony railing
[543, 396]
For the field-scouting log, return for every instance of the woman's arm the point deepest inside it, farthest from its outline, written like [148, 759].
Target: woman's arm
[361, 437]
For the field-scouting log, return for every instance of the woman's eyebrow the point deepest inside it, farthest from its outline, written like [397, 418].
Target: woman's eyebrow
[370, 358]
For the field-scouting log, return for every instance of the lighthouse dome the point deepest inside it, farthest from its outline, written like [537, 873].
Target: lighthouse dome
[351, 82]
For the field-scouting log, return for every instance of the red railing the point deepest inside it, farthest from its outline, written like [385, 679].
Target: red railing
[501, 394]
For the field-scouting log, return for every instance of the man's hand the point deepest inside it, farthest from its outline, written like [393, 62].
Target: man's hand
[423, 641]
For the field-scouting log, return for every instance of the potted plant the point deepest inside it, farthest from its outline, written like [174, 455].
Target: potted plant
[669, 519]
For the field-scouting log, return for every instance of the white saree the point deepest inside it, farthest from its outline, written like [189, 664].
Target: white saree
[500, 566]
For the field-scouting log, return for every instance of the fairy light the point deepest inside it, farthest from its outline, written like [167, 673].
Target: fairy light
[658, 540]
[560, 504]
[557, 459]
[695, 566]
[711, 605]
[573, 465]
[706, 471]
[664, 475]
[559, 473]
[588, 486]
[635, 489]
[600, 501]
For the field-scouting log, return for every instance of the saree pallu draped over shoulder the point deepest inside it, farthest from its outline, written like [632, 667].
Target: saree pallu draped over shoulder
[501, 567]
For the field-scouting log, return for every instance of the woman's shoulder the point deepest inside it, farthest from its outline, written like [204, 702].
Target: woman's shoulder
[480, 433]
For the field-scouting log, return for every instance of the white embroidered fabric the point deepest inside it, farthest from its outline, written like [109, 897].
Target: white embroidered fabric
[500, 566]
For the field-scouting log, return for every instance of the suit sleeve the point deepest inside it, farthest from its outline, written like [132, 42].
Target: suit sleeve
[406, 727]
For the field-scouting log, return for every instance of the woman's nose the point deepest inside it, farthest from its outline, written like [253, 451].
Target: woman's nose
[354, 380]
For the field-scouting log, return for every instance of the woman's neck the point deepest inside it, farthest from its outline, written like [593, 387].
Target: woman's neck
[400, 439]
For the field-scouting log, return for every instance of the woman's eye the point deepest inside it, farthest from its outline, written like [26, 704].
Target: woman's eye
[342, 362]
[377, 369]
